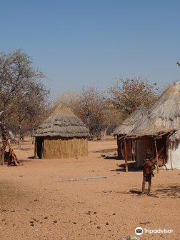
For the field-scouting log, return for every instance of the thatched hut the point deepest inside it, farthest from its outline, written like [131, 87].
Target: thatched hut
[125, 128]
[159, 130]
[62, 135]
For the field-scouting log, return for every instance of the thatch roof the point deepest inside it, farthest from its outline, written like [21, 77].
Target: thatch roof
[163, 117]
[129, 123]
[63, 123]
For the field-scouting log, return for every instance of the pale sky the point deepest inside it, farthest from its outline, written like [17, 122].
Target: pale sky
[77, 43]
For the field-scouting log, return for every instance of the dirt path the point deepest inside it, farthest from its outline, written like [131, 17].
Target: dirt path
[84, 199]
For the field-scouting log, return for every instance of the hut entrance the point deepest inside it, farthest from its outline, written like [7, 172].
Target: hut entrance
[162, 151]
[40, 147]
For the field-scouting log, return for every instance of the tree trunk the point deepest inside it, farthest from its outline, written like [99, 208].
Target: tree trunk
[19, 143]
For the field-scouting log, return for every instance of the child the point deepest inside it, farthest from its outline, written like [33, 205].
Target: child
[148, 167]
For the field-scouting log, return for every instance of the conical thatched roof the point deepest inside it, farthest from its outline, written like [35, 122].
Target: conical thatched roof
[163, 117]
[63, 123]
[129, 123]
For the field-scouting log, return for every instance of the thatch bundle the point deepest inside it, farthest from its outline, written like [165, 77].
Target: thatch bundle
[64, 123]
[163, 117]
[129, 123]
[65, 147]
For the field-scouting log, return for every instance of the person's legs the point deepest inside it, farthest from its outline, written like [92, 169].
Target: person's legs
[143, 184]
[14, 158]
[149, 187]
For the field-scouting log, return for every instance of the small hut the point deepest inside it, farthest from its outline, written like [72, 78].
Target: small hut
[125, 128]
[62, 135]
[159, 130]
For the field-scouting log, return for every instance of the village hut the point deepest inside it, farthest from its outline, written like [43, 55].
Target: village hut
[125, 128]
[159, 130]
[62, 135]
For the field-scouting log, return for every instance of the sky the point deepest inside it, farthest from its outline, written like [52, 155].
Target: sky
[80, 43]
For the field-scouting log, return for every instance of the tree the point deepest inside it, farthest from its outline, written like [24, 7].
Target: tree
[91, 106]
[101, 112]
[128, 94]
[178, 63]
[22, 94]
[88, 105]
[71, 99]
[112, 117]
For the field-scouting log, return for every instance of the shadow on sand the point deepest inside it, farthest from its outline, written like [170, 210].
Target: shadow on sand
[131, 167]
[134, 191]
[110, 150]
[172, 191]
[110, 157]
[29, 159]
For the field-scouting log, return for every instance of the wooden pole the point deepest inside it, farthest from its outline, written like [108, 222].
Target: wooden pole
[156, 155]
[133, 149]
[5, 137]
[171, 155]
[42, 148]
[35, 148]
[125, 149]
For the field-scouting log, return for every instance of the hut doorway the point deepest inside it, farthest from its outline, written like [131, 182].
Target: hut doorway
[141, 149]
[40, 147]
[162, 151]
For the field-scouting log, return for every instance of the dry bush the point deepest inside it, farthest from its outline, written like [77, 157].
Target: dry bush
[129, 94]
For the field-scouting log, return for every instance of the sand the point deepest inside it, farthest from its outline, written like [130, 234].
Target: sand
[84, 198]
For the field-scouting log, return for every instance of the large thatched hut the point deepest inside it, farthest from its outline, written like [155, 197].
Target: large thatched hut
[159, 130]
[125, 128]
[62, 135]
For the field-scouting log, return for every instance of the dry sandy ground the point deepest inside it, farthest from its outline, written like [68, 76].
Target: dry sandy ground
[84, 199]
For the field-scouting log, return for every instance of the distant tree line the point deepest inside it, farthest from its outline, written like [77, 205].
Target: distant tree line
[24, 98]
[103, 111]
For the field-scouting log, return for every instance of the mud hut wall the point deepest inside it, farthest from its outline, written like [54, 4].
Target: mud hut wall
[141, 149]
[173, 153]
[65, 147]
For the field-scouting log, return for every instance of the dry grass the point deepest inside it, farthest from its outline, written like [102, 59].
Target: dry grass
[63, 148]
